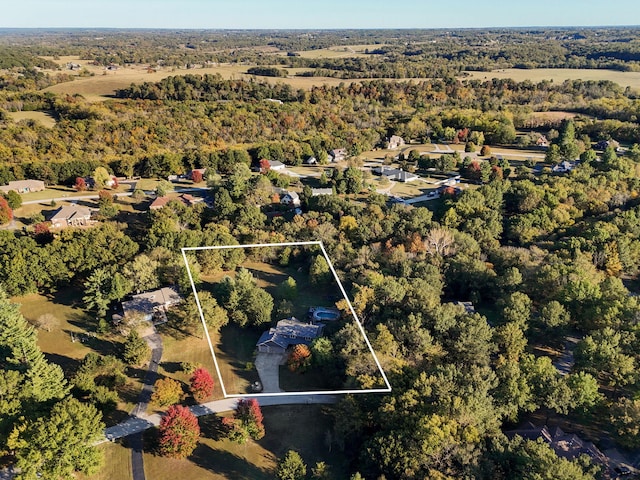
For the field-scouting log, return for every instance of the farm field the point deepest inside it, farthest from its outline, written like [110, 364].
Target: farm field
[626, 79]
[103, 84]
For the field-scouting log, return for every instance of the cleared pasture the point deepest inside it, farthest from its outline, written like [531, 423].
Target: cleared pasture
[626, 79]
[44, 118]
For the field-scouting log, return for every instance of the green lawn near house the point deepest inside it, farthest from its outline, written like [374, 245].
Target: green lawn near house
[305, 428]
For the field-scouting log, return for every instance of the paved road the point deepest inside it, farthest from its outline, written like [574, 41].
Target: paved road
[564, 363]
[143, 422]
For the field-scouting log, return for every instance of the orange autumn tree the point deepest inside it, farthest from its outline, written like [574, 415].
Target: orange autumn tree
[299, 358]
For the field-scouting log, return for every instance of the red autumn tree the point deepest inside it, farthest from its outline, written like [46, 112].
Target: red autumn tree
[6, 214]
[115, 182]
[42, 234]
[196, 176]
[201, 384]
[179, 432]
[249, 415]
[299, 358]
[265, 165]
[80, 185]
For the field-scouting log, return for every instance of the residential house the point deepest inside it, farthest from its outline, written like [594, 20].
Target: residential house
[71, 216]
[564, 167]
[311, 161]
[566, 445]
[23, 186]
[316, 192]
[276, 165]
[185, 198]
[395, 141]
[290, 198]
[288, 332]
[154, 303]
[468, 306]
[338, 154]
[395, 174]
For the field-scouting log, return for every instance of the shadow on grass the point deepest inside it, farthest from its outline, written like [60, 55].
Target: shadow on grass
[211, 427]
[171, 367]
[227, 464]
[69, 365]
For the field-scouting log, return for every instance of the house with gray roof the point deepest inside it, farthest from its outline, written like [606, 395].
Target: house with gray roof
[287, 332]
[395, 174]
[71, 216]
[151, 303]
[23, 186]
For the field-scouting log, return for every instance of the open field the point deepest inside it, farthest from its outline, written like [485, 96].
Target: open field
[104, 83]
[299, 427]
[44, 118]
[630, 79]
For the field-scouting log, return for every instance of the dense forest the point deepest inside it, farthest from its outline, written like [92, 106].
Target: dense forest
[540, 255]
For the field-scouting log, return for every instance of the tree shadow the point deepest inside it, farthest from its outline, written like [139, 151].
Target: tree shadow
[69, 365]
[211, 427]
[227, 464]
[171, 367]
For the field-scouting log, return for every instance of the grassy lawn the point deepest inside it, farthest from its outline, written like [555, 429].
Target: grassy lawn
[59, 347]
[57, 343]
[300, 427]
[117, 463]
[47, 119]
[180, 348]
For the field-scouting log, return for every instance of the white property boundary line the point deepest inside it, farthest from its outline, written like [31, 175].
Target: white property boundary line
[344, 294]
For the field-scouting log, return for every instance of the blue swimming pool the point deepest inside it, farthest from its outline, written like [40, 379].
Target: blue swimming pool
[327, 315]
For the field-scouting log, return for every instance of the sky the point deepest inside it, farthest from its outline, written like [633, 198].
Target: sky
[315, 14]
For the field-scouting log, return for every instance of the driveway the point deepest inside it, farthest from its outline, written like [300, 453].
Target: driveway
[268, 366]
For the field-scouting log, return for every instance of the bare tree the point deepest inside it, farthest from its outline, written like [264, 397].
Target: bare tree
[439, 241]
[47, 321]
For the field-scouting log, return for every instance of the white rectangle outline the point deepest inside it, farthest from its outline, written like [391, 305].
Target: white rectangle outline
[344, 294]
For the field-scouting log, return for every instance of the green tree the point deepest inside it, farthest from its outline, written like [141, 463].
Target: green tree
[13, 199]
[319, 273]
[625, 417]
[136, 350]
[291, 467]
[163, 188]
[96, 292]
[142, 273]
[288, 289]
[101, 178]
[60, 444]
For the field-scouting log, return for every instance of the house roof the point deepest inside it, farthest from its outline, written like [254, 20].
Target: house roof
[565, 445]
[293, 195]
[290, 331]
[160, 202]
[276, 164]
[71, 212]
[321, 191]
[19, 185]
[148, 302]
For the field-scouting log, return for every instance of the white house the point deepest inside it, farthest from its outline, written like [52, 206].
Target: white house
[290, 198]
